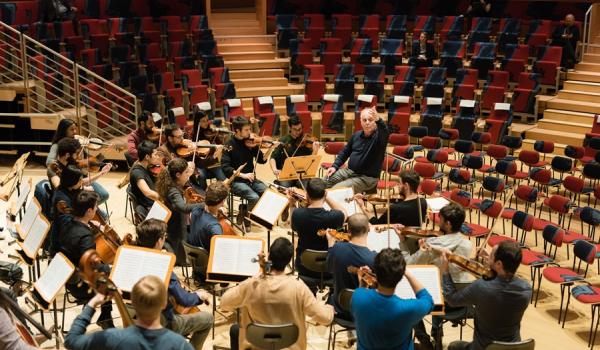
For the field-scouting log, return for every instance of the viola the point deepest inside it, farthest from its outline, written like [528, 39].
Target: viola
[474, 267]
[94, 163]
[99, 282]
[260, 141]
[337, 235]
[191, 196]
[367, 276]
[285, 190]
[416, 232]
[376, 198]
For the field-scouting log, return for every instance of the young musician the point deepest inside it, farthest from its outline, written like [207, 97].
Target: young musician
[151, 234]
[141, 179]
[9, 338]
[71, 182]
[210, 167]
[149, 298]
[382, 319]
[169, 185]
[174, 138]
[499, 303]
[405, 212]
[245, 185]
[308, 221]
[74, 239]
[291, 146]
[364, 151]
[145, 127]
[341, 255]
[68, 151]
[275, 298]
[205, 223]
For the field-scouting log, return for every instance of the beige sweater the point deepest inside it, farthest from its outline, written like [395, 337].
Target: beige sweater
[276, 300]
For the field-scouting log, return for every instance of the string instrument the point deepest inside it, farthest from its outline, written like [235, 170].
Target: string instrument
[184, 310]
[107, 239]
[260, 141]
[299, 197]
[99, 282]
[154, 136]
[203, 149]
[367, 276]
[223, 221]
[24, 333]
[265, 265]
[95, 143]
[376, 198]
[192, 196]
[474, 267]
[417, 232]
[235, 174]
[94, 163]
[337, 235]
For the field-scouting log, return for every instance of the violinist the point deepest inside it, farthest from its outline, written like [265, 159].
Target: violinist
[174, 138]
[205, 220]
[170, 186]
[74, 239]
[149, 298]
[275, 298]
[145, 126]
[151, 234]
[68, 152]
[210, 167]
[308, 221]
[71, 182]
[245, 185]
[391, 329]
[405, 212]
[340, 255]
[499, 303]
[141, 177]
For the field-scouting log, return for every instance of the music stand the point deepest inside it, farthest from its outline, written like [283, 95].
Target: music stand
[300, 168]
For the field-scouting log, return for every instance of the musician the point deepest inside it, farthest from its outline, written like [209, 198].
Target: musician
[151, 234]
[275, 298]
[169, 185]
[382, 319]
[566, 35]
[71, 182]
[9, 338]
[205, 222]
[404, 212]
[308, 221]
[141, 179]
[423, 52]
[364, 152]
[149, 298]
[245, 185]
[145, 126]
[74, 239]
[168, 149]
[68, 152]
[341, 255]
[499, 303]
[210, 167]
[291, 146]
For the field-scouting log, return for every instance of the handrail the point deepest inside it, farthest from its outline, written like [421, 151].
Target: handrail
[587, 25]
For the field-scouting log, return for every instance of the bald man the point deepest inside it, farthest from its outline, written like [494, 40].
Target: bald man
[566, 35]
[364, 152]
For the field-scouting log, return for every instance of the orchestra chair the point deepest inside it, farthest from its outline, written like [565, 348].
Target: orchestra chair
[590, 295]
[590, 216]
[316, 261]
[553, 239]
[528, 344]
[544, 147]
[495, 153]
[272, 337]
[331, 148]
[343, 300]
[458, 316]
[67, 300]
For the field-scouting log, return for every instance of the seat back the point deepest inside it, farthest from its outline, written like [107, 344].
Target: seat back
[528, 344]
[314, 260]
[197, 257]
[272, 337]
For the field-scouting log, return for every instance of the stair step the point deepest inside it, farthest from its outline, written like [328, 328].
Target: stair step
[593, 49]
[561, 125]
[581, 86]
[588, 66]
[228, 23]
[258, 82]
[226, 48]
[291, 89]
[567, 138]
[591, 57]
[234, 11]
[249, 55]
[575, 117]
[233, 15]
[577, 106]
[258, 64]
[236, 31]
[279, 102]
[576, 95]
[256, 73]
[584, 76]
[245, 39]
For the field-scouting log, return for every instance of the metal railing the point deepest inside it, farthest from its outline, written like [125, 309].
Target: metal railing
[52, 83]
[588, 36]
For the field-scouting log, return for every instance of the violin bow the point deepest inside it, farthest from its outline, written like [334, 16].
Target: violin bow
[298, 147]
[255, 160]
[196, 142]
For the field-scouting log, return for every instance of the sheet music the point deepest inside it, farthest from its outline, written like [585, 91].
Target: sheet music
[133, 264]
[35, 237]
[437, 203]
[270, 206]
[429, 276]
[54, 277]
[159, 211]
[25, 188]
[340, 196]
[234, 256]
[377, 241]
[31, 213]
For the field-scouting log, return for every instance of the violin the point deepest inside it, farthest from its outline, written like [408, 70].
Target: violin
[192, 196]
[285, 190]
[184, 310]
[367, 276]
[95, 143]
[265, 265]
[416, 232]
[376, 198]
[474, 267]
[107, 239]
[99, 282]
[260, 141]
[337, 235]
[203, 149]
[94, 163]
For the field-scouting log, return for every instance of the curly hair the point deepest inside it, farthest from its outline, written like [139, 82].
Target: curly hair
[167, 177]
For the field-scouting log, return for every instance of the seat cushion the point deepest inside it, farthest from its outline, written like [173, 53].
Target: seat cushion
[474, 230]
[495, 240]
[571, 236]
[531, 257]
[508, 213]
[539, 224]
[586, 294]
[561, 275]
[390, 184]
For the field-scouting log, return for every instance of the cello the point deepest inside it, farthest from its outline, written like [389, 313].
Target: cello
[107, 239]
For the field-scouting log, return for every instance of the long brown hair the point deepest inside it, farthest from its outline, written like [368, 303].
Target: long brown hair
[167, 177]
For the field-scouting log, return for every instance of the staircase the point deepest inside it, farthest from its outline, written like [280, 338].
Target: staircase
[252, 59]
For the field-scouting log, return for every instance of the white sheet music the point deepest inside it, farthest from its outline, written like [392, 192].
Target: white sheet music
[158, 211]
[133, 264]
[31, 213]
[340, 196]
[234, 256]
[25, 189]
[35, 237]
[378, 241]
[429, 276]
[270, 206]
[437, 203]
[54, 277]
